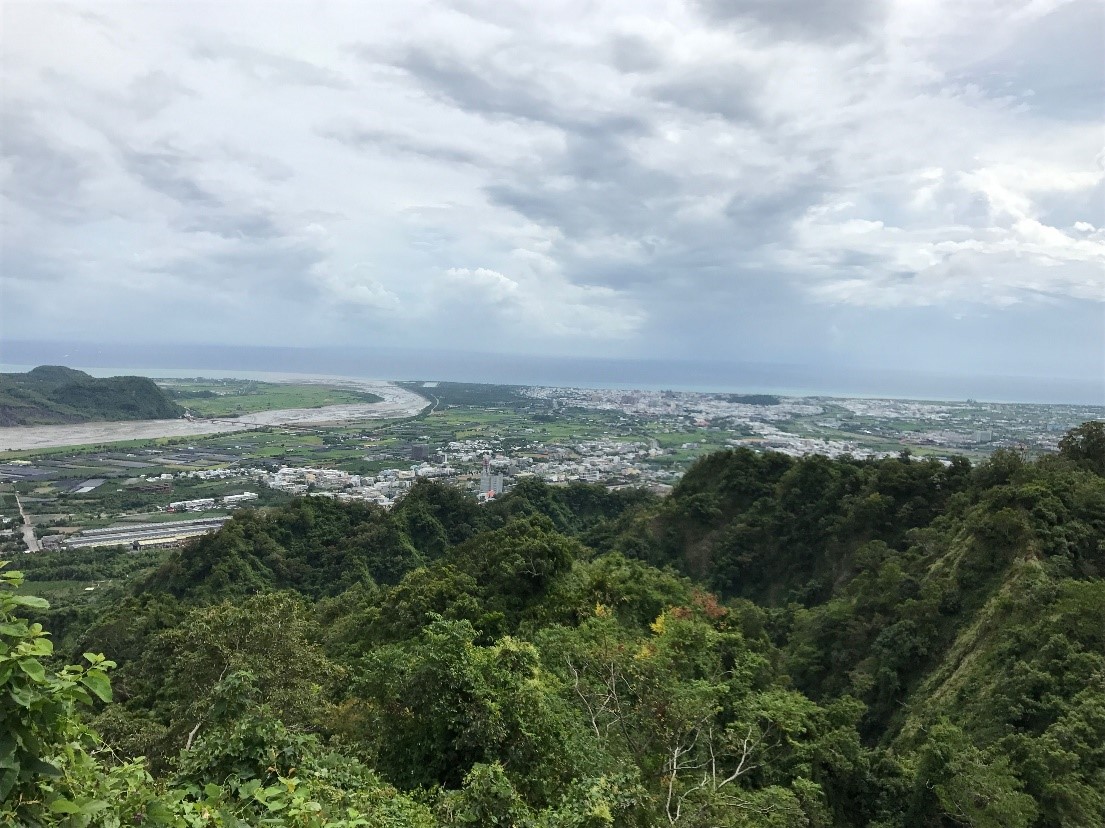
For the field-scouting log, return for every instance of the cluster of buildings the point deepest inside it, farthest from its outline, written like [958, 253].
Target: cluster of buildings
[701, 408]
[485, 469]
[202, 504]
[381, 489]
[769, 438]
[835, 426]
[611, 462]
[954, 439]
[164, 482]
[225, 473]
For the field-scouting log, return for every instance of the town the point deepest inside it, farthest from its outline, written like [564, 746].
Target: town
[483, 440]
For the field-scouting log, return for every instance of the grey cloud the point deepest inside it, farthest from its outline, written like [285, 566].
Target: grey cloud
[283, 269]
[858, 260]
[620, 158]
[611, 194]
[37, 267]
[495, 93]
[45, 176]
[152, 92]
[266, 168]
[632, 53]
[147, 95]
[165, 171]
[596, 188]
[268, 67]
[494, 12]
[1028, 69]
[832, 20]
[450, 78]
[1064, 209]
[89, 16]
[967, 208]
[727, 91]
[363, 138]
[228, 224]
[609, 190]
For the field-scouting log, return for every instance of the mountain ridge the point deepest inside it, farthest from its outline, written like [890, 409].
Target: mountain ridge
[55, 395]
[793, 643]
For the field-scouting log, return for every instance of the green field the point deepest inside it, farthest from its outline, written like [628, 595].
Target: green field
[230, 398]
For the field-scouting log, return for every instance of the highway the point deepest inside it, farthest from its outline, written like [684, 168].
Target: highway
[29, 538]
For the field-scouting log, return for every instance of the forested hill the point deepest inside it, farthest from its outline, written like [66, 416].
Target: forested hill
[798, 643]
[52, 394]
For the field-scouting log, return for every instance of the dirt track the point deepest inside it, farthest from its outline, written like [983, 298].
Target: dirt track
[398, 402]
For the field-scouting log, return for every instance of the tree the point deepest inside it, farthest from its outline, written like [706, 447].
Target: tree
[249, 769]
[968, 785]
[1085, 446]
[47, 770]
[267, 636]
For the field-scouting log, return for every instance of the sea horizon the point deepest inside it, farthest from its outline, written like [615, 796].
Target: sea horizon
[335, 364]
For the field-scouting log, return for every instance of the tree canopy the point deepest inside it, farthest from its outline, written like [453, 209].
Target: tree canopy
[782, 642]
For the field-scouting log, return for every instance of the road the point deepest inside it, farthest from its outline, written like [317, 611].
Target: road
[397, 403]
[33, 543]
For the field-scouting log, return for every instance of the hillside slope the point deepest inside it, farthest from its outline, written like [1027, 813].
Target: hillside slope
[891, 643]
[52, 394]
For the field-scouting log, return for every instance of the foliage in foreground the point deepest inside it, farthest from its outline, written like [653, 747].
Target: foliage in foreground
[890, 643]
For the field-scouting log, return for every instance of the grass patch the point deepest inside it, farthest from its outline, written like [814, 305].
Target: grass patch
[234, 398]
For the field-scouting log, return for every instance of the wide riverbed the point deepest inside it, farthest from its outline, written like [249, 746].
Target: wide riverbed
[397, 402]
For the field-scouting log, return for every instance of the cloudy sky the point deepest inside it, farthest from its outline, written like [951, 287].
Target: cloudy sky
[875, 184]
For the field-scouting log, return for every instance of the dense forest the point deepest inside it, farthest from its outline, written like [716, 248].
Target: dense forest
[54, 394]
[782, 642]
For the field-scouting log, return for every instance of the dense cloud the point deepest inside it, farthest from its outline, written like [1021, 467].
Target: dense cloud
[750, 179]
[806, 19]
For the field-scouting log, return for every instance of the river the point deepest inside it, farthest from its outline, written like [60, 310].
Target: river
[397, 403]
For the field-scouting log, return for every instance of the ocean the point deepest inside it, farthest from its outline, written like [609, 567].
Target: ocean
[809, 380]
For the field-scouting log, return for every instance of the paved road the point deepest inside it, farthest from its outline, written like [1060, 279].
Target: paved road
[397, 402]
[33, 543]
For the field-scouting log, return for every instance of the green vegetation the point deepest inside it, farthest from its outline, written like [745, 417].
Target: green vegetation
[233, 397]
[753, 399]
[790, 643]
[53, 394]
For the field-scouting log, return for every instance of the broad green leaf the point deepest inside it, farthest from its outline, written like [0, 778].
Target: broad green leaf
[40, 647]
[97, 681]
[61, 805]
[44, 768]
[21, 696]
[33, 668]
[7, 781]
[30, 601]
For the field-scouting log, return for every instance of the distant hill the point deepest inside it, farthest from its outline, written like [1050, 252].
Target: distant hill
[753, 399]
[52, 394]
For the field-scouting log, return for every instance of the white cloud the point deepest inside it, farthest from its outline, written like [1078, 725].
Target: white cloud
[611, 175]
[487, 285]
[540, 304]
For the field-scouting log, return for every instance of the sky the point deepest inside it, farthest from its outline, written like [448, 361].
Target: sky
[910, 185]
